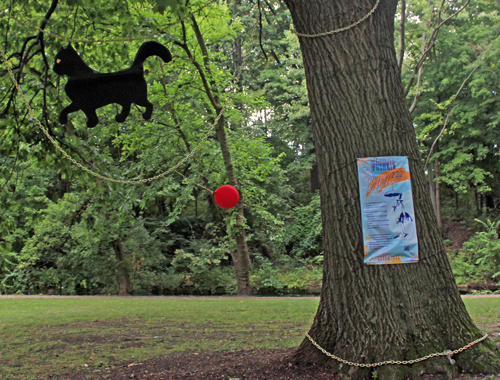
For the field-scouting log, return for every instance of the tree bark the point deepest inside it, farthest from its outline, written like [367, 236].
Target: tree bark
[372, 313]
[123, 277]
[401, 53]
[432, 188]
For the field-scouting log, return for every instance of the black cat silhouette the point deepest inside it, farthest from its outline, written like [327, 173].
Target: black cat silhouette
[89, 89]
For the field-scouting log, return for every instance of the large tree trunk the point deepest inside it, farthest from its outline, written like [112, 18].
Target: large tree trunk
[372, 313]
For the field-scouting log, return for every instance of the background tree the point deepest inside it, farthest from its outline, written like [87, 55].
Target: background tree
[268, 128]
[137, 149]
[460, 90]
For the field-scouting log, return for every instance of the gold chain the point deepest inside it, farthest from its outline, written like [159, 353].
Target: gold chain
[341, 29]
[71, 159]
[446, 353]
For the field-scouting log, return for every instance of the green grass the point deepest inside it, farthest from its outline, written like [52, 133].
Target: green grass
[43, 336]
[39, 337]
[486, 313]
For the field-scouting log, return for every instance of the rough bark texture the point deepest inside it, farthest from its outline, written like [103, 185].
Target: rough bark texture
[432, 190]
[123, 277]
[374, 313]
[438, 193]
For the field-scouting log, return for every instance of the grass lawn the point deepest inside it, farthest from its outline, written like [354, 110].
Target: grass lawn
[46, 336]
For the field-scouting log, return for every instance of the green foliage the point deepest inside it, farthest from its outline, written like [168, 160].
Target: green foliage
[71, 250]
[21, 202]
[287, 276]
[479, 260]
[171, 228]
[460, 86]
[201, 272]
[304, 230]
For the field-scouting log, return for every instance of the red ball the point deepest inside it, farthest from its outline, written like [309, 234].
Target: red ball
[226, 196]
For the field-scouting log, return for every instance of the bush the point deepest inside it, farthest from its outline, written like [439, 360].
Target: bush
[202, 272]
[304, 230]
[71, 250]
[479, 260]
[291, 277]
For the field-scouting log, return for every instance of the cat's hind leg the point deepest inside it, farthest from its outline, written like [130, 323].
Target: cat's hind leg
[123, 115]
[63, 116]
[149, 109]
[92, 119]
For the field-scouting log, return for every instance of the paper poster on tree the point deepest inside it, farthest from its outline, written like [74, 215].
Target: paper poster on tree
[387, 213]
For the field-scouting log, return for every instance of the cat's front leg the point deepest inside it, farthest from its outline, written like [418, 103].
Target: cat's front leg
[149, 110]
[63, 116]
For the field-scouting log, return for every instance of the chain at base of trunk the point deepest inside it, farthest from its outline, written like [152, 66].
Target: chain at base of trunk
[445, 353]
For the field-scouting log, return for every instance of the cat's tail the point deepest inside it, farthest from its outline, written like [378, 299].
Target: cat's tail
[148, 49]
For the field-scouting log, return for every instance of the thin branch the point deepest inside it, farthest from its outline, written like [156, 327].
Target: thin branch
[417, 95]
[275, 56]
[449, 113]
[419, 81]
[7, 29]
[271, 8]
[204, 80]
[440, 134]
[74, 22]
[431, 43]
[401, 53]
[260, 30]
[206, 60]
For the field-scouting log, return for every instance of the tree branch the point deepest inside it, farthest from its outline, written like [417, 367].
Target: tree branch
[402, 35]
[449, 113]
[206, 61]
[204, 80]
[431, 41]
[260, 30]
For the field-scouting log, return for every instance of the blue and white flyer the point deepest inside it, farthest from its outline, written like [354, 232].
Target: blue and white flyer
[387, 214]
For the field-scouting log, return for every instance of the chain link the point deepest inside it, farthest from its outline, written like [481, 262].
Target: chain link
[341, 29]
[97, 175]
[404, 362]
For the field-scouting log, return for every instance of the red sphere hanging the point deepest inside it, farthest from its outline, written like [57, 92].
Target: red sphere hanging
[226, 196]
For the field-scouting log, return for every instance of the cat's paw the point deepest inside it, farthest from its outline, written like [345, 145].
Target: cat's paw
[147, 115]
[63, 118]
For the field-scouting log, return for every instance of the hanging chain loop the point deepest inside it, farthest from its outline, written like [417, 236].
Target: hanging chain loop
[102, 177]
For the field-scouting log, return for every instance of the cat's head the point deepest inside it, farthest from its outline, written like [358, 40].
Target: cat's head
[67, 61]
